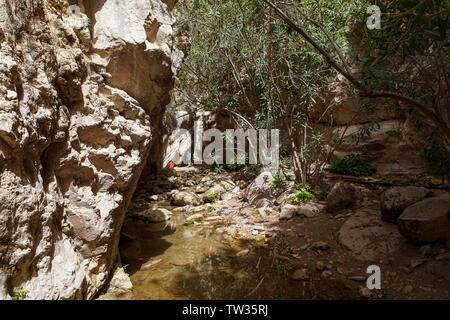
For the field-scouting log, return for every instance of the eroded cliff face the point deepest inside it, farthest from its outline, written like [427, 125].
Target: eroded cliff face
[82, 89]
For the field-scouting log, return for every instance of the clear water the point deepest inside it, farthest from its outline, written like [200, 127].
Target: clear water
[177, 261]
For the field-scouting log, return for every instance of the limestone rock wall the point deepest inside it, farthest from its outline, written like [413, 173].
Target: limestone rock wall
[80, 85]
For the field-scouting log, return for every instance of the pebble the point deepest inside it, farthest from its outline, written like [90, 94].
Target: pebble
[365, 292]
[300, 275]
[320, 266]
[326, 274]
[255, 232]
[408, 289]
[242, 253]
[319, 245]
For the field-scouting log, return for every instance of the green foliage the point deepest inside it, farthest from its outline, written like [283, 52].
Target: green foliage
[20, 294]
[353, 165]
[303, 193]
[219, 169]
[279, 181]
[210, 197]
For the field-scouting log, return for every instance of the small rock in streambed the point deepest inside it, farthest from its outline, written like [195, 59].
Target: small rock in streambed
[408, 289]
[288, 211]
[242, 253]
[195, 218]
[300, 275]
[365, 292]
[320, 266]
[319, 245]
[326, 274]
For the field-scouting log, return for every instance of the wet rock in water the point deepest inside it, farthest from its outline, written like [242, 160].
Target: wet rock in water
[154, 215]
[342, 196]
[154, 198]
[120, 283]
[368, 237]
[300, 275]
[309, 210]
[185, 198]
[195, 218]
[426, 221]
[260, 189]
[395, 200]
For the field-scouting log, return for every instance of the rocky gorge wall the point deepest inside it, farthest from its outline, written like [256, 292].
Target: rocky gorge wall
[83, 85]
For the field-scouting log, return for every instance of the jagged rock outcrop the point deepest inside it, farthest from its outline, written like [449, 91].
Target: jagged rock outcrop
[82, 88]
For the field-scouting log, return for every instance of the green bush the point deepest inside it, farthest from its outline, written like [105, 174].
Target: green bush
[219, 169]
[20, 294]
[303, 193]
[353, 165]
[279, 181]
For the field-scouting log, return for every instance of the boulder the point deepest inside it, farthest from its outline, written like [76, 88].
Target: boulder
[310, 210]
[120, 283]
[260, 189]
[185, 198]
[368, 237]
[395, 200]
[288, 211]
[426, 221]
[342, 196]
[154, 215]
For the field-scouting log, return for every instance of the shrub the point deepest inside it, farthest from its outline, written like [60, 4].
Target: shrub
[219, 169]
[302, 193]
[279, 181]
[19, 294]
[353, 165]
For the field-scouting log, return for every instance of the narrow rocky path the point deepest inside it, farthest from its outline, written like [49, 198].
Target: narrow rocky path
[176, 247]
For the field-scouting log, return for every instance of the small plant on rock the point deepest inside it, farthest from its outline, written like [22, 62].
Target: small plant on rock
[303, 193]
[209, 197]
[20, 294]
[279, 181]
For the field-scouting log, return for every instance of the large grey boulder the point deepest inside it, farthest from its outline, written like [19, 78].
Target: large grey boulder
[342, 196]
[395, 200]
[426, 221]
[259, 189]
